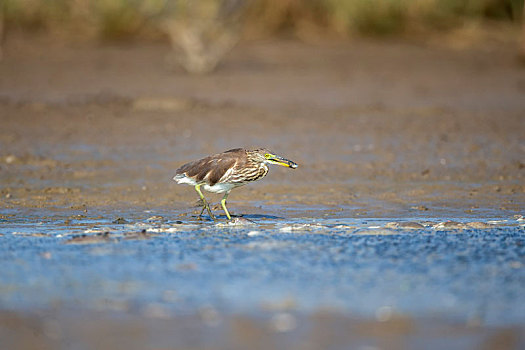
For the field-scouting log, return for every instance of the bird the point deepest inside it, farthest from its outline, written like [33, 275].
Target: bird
[222, 172]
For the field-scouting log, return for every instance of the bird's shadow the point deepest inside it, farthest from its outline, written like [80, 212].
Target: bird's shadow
[243, 216]
[258, 216]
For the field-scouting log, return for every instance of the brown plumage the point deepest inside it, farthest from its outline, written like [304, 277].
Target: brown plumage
[224, 171]
[211, 168]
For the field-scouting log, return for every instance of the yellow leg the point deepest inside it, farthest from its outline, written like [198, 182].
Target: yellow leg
[204, 202]
[223, 203]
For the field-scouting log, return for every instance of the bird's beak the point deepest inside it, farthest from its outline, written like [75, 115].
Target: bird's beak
[274, 159]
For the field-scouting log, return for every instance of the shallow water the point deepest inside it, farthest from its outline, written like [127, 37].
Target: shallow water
[367, 267]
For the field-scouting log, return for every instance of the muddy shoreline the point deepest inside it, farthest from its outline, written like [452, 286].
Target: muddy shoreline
[376, 164]
[383, 127]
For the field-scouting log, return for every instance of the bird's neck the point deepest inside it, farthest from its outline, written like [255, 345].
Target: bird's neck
[259, 165]
[260, 169]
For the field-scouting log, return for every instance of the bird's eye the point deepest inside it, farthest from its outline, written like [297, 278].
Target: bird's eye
[267, 155]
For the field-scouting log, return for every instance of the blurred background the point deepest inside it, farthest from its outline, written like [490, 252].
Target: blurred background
[203, 31]
[308, 20]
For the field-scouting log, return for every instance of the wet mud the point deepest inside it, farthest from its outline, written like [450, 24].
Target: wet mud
[403, 222]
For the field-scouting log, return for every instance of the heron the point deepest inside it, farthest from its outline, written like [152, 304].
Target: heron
[222, 172]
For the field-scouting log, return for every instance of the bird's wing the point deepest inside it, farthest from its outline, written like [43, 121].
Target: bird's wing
[210, 169]
[219, 169]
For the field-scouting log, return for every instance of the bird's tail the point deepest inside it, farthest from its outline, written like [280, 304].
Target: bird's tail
[183, 179]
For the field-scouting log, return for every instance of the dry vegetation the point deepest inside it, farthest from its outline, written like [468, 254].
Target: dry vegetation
[203, 31]
[118, 19]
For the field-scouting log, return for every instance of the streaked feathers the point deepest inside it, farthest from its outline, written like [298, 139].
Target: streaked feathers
[235, 167]
[225, 171]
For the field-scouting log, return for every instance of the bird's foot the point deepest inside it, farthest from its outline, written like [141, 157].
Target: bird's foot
[207, 207]
[209, 212]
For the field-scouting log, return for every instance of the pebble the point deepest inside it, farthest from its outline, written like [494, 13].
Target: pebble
[164, 229]
[496, 222]
[410, 225]
[451, 225]
[419, 207]
[138, 235]
[155, 218]
[479, 225]
[380, 232]
[94, 230]
[30, 234]
[90, 239]
[236, 222]
[301, 227]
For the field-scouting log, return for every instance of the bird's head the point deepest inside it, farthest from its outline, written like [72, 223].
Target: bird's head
[266, 156]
